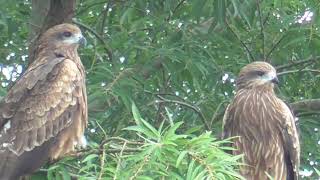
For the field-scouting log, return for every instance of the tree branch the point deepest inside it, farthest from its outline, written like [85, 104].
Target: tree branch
[242, 43]
[267, 18]
[107, 140]
[217, 114]
[274, 46]
[309, 105]
[310, 60]
[196, 109]
[297, 71]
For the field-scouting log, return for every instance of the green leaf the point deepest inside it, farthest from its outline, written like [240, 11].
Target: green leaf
[317, 171]
[136, 114]
[90, 157]
[65, 174]
[181, 157]
[220, 10]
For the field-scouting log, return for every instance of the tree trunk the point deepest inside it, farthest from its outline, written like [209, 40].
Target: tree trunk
[44, 15]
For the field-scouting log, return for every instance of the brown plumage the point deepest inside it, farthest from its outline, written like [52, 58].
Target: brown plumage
[264, 126]
[44, 114]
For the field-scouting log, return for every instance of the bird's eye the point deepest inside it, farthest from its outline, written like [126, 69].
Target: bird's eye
[260, 73]
[67, 34]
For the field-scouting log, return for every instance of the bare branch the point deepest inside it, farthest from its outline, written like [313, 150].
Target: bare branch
[218, 113]
[196, 109]
[297, 71]
[242, 43]
[310, 60]
[309, 105]
[275, 46]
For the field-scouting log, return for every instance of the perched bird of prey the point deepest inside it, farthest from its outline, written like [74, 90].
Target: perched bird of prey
[44, 114]
[264, 126]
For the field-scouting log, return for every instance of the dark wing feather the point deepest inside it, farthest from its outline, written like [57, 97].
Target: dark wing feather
[39, 106]
[290, 142]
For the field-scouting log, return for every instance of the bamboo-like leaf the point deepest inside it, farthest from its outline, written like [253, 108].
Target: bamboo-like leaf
[181, 157]
[220, 10]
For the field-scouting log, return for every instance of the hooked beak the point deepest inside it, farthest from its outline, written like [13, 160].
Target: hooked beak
[83, 41]
[275, 80]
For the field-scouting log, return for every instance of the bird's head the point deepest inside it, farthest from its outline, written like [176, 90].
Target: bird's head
[63, 36]
[257, 75]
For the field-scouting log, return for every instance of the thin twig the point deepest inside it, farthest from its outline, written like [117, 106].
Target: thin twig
[119, 161]
[267, 18]
[107, 140]
[196, 109]
[165, 84]
[103, 131]
[297, 71]
[216, 114]
[98, 36]
[275, 46]
[164, 94]
[144, 162]
[242, 43]
[99, 151]
[128, 150]
[207, 166]
[104, 17]
[261, 29]
[117, 78]
[103, 157]
[297, 63]
[175, 9]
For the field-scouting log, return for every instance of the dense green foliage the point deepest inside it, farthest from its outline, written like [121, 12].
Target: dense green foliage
[176, 61]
